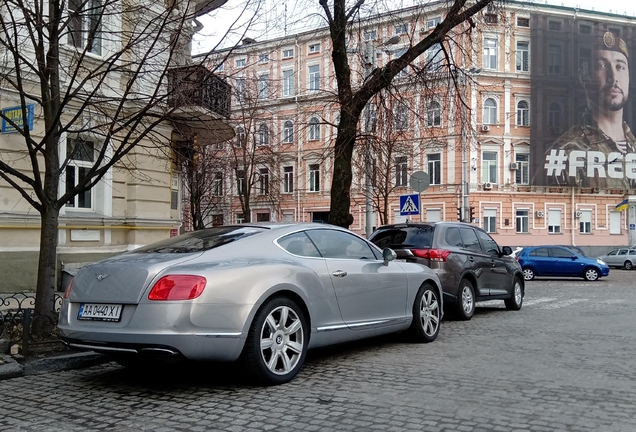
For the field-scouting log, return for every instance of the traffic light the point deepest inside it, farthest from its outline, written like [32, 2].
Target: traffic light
[459, 214]
[472, 214]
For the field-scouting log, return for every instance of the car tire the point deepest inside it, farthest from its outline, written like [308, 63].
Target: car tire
[465, 306]
[591, 274]
[276, 344]
[628, 265]
[516, 298]
[427, 315]
[528, 273]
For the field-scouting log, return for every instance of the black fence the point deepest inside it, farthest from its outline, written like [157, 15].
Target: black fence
[22, 326]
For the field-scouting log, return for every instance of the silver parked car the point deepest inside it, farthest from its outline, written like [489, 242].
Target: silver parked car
[260, 293]
[624, 257]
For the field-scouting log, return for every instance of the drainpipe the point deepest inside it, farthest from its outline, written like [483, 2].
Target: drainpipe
[573, 218]
[299, 140]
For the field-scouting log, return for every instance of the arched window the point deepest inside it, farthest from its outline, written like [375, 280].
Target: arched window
[523, 113]
[263, 135]
[288, 132]
[490, 112]
[240, 137]
[434, 114]
[554, 117]
[314, 129]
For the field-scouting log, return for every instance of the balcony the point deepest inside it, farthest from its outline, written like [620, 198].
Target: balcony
[201, 104]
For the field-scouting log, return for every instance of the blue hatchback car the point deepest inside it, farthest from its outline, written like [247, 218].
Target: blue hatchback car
[559, 261]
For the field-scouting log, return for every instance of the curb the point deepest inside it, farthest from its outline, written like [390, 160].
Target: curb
[10, 368]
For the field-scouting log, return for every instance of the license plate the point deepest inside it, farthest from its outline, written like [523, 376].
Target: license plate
[99, 312]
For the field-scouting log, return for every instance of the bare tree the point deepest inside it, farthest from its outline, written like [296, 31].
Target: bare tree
[99, 76]
[340, 17]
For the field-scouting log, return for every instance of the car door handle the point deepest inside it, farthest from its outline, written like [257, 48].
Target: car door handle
[471, 259]
[339, 273]
[492, 263]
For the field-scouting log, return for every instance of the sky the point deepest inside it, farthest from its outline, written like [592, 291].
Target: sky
[301, 15]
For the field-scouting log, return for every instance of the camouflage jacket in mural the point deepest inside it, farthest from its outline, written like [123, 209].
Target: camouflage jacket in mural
[590, 138]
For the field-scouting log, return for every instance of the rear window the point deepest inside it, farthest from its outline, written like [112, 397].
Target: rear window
[199, 241]
[420, 237]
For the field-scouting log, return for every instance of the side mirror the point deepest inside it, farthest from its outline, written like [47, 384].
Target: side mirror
[388, 255]
[575, 257]
[506, 250]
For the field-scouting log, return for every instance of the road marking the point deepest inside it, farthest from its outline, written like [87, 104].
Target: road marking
[561, 304]
[539, 300]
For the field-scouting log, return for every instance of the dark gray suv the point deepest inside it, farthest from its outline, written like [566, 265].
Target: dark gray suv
[469, 263]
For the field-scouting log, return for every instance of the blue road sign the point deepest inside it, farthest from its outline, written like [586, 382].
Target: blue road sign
[409, 204]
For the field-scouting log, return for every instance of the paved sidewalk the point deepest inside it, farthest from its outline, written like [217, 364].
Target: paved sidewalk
[16, 366]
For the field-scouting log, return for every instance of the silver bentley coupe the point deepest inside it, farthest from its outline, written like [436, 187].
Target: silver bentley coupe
[262, 294]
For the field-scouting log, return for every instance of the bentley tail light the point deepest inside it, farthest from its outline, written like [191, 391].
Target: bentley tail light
[177, 287]
[438, 255]
[67, 292]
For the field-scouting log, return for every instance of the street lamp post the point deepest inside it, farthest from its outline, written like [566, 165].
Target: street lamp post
[465, 179]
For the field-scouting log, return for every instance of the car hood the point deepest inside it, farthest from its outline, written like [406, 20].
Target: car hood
[124, 278]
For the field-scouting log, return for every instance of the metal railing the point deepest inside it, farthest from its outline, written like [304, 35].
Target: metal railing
[22, 326]
[196, 86]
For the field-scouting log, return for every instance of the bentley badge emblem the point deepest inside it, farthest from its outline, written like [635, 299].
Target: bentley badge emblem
[101, 277]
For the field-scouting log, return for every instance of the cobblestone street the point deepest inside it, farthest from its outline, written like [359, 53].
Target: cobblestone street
[564, 362]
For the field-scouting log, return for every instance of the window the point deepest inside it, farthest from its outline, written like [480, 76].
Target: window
[554, 221]
[299, 244]
[523, 113]
[401, 117]
[262, 217]
[401, 171]
[263, 181]
[288, 83]
[554, 59]
[340, 245]
[241, 139]
[288, 132]
[615, 30]
[488, 245]
[489, 60]
[585, 222]
[263, 86]
[219, 67]
[217, 220]
[240, 183]
[490, 220]
[399, 29]
[469, 239]
[435, 57]
[523, 22]
[434, 114]
[433, 215]
[435, 168]
[489, 167]
[585, 28]
[288, 179]
[522, 221]
[554, 25]
[85, 25]
[239, 89]
[370, 35]
[263, 135]
[314, 48]
[240, 218]
[314, 129]
[263, 58]
[314, 78]
[397, 53]
[288, 53]
[523, 56]
[522, 175]
[490, 112]
[81, 155]
[554, 117]
[314, 178]
[614, 222]
[217, 185]
[433, 22]
[240, 62]
[585, 60]
[491, 18]
[370, 119]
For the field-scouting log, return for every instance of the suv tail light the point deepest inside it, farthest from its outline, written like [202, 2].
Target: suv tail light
[438, 255]
[177, 287]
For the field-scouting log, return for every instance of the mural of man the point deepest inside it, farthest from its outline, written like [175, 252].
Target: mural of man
[600, 152]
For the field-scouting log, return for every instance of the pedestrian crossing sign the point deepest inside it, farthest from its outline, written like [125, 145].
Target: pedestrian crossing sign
[409, 204]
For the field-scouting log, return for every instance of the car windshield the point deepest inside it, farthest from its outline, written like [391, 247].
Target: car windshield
[199, 241]
[406, 236]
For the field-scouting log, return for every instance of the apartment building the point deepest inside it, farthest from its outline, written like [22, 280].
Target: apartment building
[482, 142]
[137, 201]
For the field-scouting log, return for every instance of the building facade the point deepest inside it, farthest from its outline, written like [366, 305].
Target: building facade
[482, 129]
[137, 201]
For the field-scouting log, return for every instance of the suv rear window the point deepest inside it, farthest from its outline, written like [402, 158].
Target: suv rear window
[420, 237]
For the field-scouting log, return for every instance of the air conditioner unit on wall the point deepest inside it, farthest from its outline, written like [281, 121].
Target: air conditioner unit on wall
[487, 186]
[578, 214]
[540, 213]
[485, 128]
[514, 166]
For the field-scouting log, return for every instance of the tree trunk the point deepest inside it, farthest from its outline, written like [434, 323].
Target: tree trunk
[339, 213]
[47, 262]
